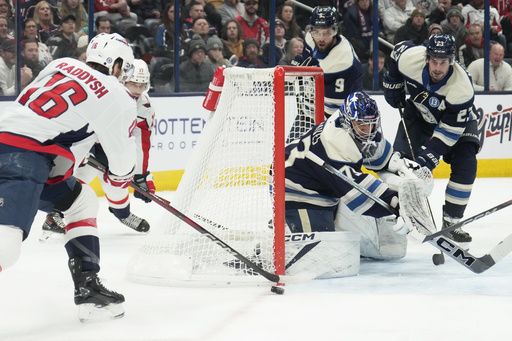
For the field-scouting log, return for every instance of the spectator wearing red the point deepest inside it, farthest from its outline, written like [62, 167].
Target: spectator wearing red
[252, 25]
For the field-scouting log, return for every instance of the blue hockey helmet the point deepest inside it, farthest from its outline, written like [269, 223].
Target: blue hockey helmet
[359, 110]
[323, 17]
[441, 46]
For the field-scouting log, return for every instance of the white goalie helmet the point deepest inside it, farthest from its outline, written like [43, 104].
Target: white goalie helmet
[140, 72]
[105, 49]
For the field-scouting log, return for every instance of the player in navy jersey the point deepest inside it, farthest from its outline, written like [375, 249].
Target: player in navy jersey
[44, 136]
[348, 140]
[439, 117]
[325, 47]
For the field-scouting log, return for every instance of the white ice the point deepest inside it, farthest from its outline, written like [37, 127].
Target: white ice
[407, 299]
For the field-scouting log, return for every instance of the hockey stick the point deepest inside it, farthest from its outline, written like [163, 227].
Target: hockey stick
[167, 206]
[461, 256]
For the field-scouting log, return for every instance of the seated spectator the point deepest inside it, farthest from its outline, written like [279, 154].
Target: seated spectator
[251, 53]
[500, 72]
[65, 43]
[358, 24]
[439, 14]
[8, 69]
[396, 16]
[253, 26]
[75, 8]
[4, 28]
[102, 25]
[199, 9]
[434, 29]
[287, 15]
[503, 6]
[164, 37]
[233, 37]
[195, 73]
[230, 9]
[30, 32]
[6, 11]
[506, 25]
[30, 57]
[454, 25]
[43, 17]
[415, 29]
[368, 72]
[279, 45]
[473, 47]
[201, 27]
[215, 3]
[146, 9]
[113, 9]
[214, 56]
[426, 5]
[474, 13]
[80, 53]
[294, 47]
[28, 10]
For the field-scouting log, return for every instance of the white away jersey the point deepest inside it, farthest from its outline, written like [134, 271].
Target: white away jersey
[142, 132]
[67, 109]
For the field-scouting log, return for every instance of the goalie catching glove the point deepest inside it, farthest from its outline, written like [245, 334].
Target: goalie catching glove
[145, 181]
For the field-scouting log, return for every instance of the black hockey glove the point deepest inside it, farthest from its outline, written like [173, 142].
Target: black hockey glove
[427, 158]
[145, 181]
[394, 91]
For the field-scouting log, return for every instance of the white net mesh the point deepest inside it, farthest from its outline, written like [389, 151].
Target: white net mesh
[227, 187]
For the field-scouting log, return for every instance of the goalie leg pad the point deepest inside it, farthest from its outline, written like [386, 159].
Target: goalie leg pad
[414, 209]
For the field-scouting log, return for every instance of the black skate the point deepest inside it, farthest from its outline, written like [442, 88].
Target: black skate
[53, 228]
[457, 235]
[134, 222]
[95, 302]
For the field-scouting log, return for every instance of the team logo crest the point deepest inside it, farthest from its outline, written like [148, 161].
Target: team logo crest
[434, 102]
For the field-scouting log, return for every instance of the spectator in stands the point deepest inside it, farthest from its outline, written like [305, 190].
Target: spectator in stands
[113, 9]
[80, 53]
[253, 26]
[164, 36]
[454, 25]
[30, 57]
[29, 9]
[214, 56]
[439, 14]
[43, 17]
[215, 3]
[230, 9]
[279, 45]
[426, 5]
[294, 47]
[201, 27]
[195, 74]
[506, 25]
[434, 29]
[474, 13]
[102, 25]
[233, 37]
[75, 8]
[4, 28]
[358, 24]
[6, 11]
[65, 42]
[473, 47]
[8, 69]
[503, 6]
[250, 57]
[146, 9]
[287, 16]
[396, 16]
[415, 28]
[30, 32]
[200, 9]
[368, 72]
[500, 72]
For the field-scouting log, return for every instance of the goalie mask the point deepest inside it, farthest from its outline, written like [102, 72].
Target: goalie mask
[360, 116]
[105, 49]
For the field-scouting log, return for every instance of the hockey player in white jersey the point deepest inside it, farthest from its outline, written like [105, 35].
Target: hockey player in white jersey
[439, 117]
[44, 136]
[119, 198]
[348, 140]
[326, 47]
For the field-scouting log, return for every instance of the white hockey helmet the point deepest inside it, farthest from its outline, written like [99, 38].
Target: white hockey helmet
[105, 49]
[140, 72]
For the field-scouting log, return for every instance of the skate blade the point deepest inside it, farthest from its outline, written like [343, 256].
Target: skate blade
[90, 313]
[51, 237]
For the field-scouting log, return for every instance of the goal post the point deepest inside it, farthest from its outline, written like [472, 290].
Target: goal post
[234, 182]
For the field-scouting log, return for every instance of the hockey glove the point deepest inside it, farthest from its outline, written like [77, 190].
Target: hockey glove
[145, 181]
[408, 169]
[118, 181]
[394, 91]
[427, 158]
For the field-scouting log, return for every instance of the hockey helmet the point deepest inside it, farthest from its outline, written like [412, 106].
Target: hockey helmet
[441, 46]
[360, 109]
[140, 72]
[323, 17]
[105, 49]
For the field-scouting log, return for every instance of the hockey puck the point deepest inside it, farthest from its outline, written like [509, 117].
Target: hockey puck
[438, 259]
[277, 290]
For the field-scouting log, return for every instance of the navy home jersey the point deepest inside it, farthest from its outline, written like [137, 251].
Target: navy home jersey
[309, 185]
[447, 105]
[66, 110]
[343, 72]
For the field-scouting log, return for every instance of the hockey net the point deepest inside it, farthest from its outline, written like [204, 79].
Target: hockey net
[233, 185]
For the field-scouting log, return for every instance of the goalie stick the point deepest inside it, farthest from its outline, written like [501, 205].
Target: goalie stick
[167, 206]
[438, 240]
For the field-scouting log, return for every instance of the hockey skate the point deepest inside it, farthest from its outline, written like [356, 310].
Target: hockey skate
[53, 228]
[457, 235]
[95, 302]
[134, 222]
